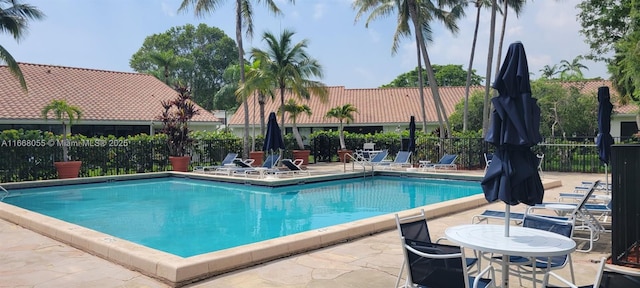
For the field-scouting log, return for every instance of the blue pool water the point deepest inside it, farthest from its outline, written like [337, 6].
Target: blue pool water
[188, 217]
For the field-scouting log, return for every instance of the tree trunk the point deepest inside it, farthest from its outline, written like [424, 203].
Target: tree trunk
[421, 89]
[245, 138]
[296, 134]
[485, 109]
[470, 69]
[261, 102]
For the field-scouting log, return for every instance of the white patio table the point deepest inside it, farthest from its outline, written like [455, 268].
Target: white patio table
[522, 241]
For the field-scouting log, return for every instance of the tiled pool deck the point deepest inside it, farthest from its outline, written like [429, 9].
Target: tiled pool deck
[28, 259]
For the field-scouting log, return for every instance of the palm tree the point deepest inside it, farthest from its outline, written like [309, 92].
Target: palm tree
[344, 114]
[294, 110]
[572, 70]
[63, 112]
[549, 71]
[166, 60]
[290, 68]
[14, 20]
[421, 13]
[257, 81]
[479, 4]
[244, 13]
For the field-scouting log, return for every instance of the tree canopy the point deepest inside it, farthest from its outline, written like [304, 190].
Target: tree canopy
[191, 55]
[564, 111]
[446, 75]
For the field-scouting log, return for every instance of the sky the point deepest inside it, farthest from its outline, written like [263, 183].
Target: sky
[104, 34]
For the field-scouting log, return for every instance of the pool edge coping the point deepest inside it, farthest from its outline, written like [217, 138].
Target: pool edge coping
[178, 271]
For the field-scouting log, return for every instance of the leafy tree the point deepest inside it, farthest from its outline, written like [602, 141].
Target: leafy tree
[225, 98]
[244, 14]
[420, 13]
[446, 75]
[188, 54]
[14, 19]
[67, 114]
[288, 67]
[625, 66]
[344, 114]
[294, 109]
[474, 116]
[604, 22]
[564, 112]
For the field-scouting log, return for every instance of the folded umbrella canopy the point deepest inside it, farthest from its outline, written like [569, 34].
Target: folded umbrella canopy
[273, 138]
[512, 175]
[412, 135]
[604, 139]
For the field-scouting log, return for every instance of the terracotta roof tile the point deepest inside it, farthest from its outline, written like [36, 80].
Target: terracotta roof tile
[377, 106]
[102, 95]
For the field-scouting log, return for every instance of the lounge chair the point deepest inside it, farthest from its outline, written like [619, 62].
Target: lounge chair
[439, 265]
[446, 162]
[401, 160]
[416, 227]
[226, 161]
[540, 159]
[294, 167]
[377, 159]
[582, 218]
[516, 217]
[268, 165]
[487, 161]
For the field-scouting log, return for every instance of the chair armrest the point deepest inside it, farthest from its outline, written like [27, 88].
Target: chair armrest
[492, 275]
[249, 161]
[298, 162]
[545, 282]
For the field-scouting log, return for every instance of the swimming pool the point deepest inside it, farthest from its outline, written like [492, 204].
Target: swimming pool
[179, 271]
[188, 217]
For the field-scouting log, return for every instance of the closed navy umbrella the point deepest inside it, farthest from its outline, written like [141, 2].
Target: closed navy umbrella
[513, 174]
[273, 139]
[604, 139]
[412, 135]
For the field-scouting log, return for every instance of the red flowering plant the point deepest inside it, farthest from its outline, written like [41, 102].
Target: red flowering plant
[175, 120]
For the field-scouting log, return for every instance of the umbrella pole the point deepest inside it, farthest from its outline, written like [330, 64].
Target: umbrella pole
[507, 215]
[606, 175]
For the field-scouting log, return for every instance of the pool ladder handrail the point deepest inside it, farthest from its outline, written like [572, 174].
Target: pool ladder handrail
[354, 160]
[6, 193]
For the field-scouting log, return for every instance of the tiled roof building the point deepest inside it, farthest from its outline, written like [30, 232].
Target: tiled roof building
[105, 97]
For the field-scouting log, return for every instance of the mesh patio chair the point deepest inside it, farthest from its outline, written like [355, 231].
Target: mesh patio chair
[437, 265]
[415, 227]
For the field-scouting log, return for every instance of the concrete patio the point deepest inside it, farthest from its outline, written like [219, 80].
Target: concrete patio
[28, 259]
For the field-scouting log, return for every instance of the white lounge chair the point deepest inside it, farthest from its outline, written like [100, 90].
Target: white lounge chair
[401, 160]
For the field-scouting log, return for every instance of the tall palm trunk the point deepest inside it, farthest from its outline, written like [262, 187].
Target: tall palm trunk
[485, 109]
[282, 87]
[467, 87]
[421, 89]
[262, 101]
[413, 13]
[245, 102]
[501, 42]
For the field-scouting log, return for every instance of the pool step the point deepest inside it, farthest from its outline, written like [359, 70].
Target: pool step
[6, 193]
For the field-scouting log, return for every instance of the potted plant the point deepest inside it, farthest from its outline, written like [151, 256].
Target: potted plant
[294, 109]
[66, 114]
[343, 113]
[175, 125]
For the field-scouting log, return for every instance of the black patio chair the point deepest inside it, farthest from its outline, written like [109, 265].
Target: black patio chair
[436, 265]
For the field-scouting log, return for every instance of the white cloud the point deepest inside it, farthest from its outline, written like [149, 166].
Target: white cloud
[318, 11]
[168, 9]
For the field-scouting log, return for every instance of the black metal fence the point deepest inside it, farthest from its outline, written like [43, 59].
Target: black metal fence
[115, 157]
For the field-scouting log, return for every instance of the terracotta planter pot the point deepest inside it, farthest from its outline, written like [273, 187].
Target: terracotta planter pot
[302, 154]
[180, 163]
[258, 157]
[69, 169]
[342, 155]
